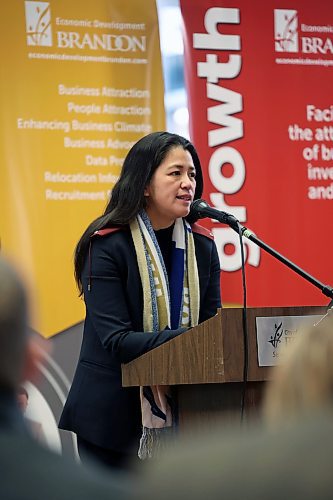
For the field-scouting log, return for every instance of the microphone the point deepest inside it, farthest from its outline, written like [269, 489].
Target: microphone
[200, 209]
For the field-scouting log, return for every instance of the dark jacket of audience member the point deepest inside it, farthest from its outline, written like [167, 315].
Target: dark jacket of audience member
[29, 471]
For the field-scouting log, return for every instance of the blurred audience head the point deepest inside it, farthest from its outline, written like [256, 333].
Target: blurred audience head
[303, 381]
[13, 327]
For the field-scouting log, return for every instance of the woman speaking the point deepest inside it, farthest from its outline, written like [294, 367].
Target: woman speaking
[147, 275]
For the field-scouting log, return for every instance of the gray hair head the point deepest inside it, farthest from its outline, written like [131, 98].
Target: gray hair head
[13, 326]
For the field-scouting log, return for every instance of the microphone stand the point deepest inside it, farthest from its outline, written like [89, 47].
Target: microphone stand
[201, 209]
[247, 233]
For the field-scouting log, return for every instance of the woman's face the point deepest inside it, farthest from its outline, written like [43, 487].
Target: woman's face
[171, 189]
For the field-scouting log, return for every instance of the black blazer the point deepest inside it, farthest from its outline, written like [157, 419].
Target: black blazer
[98, 408]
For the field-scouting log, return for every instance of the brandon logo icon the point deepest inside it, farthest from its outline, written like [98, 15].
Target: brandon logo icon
[38, 23]
[285, 30]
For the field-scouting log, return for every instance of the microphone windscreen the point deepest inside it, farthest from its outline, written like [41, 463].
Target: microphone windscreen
[193, 216]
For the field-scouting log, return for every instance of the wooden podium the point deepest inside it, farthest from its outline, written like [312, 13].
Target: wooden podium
[206, 364]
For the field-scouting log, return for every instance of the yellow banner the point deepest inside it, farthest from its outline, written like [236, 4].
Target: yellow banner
[82, 83]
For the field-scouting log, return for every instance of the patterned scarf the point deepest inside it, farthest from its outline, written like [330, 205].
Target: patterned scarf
[168, 303]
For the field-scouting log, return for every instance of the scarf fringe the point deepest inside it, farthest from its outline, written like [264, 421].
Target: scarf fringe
[154, 442]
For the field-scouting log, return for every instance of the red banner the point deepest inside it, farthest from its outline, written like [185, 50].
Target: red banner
[260, 77]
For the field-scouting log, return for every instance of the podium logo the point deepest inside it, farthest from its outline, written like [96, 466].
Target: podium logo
[276, 338]
[38, 23]
[285, 30]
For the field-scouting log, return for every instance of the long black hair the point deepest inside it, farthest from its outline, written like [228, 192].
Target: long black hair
[127, 198]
